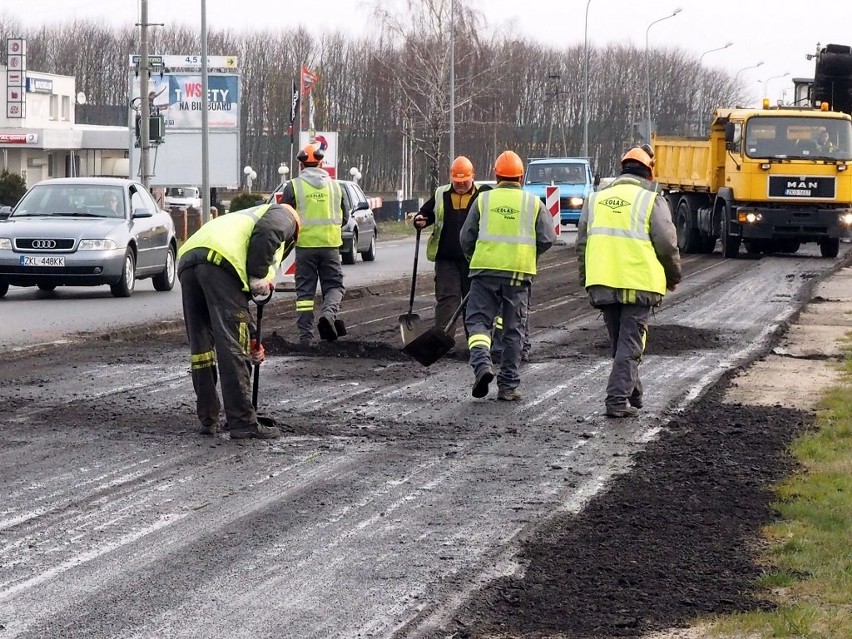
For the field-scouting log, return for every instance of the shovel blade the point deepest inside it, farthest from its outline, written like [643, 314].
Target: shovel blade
[409, 327]
[430, 346]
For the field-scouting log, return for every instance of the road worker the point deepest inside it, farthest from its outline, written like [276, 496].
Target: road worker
[506, 231]
[223, 264]
[628, 258]
[319, 200]
[448, 209]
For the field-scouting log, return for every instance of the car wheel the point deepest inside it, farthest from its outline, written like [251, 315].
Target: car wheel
[124, 287]
[4, 288]
[370, 254]
[349, 256]
[46, 287]
[165, 281]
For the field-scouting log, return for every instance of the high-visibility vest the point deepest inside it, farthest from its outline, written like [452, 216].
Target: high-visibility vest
[320, 213]
[506, 242]
[435, 238]
[619, 253]
[227, 238]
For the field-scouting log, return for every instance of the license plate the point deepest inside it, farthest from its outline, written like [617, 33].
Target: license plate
[42, 260]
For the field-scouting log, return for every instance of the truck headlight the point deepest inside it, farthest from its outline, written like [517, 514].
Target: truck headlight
[5, 244]
[96, 245]
[845, 218]
[749, 217]
[575, 202]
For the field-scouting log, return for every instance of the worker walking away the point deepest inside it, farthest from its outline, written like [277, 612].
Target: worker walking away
[319, 200]
[506, 231]
[447, 210]
[628, 258]
[221, 266]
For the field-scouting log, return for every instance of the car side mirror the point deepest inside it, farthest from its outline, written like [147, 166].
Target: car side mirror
[597, 181]
[140, 213]
[5, 212]
[361, 206]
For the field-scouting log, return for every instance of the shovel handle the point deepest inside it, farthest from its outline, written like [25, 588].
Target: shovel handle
[256, 380]
[414, 273]
[456, 313]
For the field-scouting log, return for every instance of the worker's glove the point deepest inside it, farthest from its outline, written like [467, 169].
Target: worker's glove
[260, 287]
[419, 221]
[258, 353]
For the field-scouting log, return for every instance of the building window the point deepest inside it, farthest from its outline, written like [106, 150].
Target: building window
[66, 107]
[54, 107]
[50, 169]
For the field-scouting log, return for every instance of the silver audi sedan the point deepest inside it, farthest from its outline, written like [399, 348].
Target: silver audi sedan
[87, 232]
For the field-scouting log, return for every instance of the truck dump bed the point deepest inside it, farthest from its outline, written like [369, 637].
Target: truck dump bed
[689, 164]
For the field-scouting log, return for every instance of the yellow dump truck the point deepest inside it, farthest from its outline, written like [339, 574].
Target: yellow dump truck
[770, 179]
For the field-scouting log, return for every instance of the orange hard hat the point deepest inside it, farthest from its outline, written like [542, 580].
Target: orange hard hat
[461, 169]
[509, 164]
[643, 154]
[311, 154]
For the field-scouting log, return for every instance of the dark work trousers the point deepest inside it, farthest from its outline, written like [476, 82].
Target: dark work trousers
[452, 283]
[317, 265]
[219, 326]
[497, 340]
[491, 296]
[627, 325]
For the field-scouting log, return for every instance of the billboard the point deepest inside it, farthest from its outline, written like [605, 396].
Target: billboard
[328, 143]
[177, 97]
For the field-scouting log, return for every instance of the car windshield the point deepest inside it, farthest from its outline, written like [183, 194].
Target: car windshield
[182, 191]
[72, 200]
[799, 137]
[556, 173]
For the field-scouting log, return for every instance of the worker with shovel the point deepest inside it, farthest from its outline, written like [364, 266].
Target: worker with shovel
[228, 260]
[447, 210]
[506, 231]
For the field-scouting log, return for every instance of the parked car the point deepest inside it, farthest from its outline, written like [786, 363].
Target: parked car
[360, 234]
[87, 232]
[183, 197]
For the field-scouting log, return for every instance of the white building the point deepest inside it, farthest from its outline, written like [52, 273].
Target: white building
[47, 143]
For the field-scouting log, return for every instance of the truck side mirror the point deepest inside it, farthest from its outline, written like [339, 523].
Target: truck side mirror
[729, 133]
[597, 181]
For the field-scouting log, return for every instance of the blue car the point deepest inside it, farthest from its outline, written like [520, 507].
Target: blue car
[574, 178]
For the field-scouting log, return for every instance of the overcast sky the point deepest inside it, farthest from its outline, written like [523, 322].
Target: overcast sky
[779, 33]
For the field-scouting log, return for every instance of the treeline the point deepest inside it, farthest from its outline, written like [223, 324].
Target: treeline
[388, 95]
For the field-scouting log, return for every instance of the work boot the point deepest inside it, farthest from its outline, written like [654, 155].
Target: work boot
[256, 431]
[326, 329]
[339, 327]
[480, 386]
[525, 357]
[635, 400]
[622, 411]
[209, 429]
[509, 394]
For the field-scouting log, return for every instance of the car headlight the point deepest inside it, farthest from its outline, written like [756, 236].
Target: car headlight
[5, 244]
[575, 202]
[96, 245]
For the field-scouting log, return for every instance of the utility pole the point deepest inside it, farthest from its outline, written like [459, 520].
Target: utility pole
[205, 121]
[145, 104]
[452, 80]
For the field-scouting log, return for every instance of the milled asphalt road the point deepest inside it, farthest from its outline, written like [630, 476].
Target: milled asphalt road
[392, 496]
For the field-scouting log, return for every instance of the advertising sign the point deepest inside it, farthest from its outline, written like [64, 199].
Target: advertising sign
[16, 76]
[177, 97]
[327, 141]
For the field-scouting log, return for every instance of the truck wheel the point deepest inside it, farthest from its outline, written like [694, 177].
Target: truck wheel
[730, 243]
[752, 247]
[829, 247]
[4, 288]
[688, 237]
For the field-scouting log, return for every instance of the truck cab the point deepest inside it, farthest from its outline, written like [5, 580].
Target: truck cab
[574, 178]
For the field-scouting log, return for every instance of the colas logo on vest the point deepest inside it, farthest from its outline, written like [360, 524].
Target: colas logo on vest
[506, 211]
[615, 202]
[316, 196]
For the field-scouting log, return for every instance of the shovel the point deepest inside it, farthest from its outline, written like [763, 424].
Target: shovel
[264, 420]
[409, 323]
[432, 345]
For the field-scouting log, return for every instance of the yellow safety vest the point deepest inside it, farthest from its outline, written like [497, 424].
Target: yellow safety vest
[435, 238]
[619, 253]
[320, 213]
[227, 237]
[506, 242]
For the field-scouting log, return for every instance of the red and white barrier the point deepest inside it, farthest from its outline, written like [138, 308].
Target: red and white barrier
[287, 275]
[551, 201]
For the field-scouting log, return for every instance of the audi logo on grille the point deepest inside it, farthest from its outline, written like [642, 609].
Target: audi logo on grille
[44, 244]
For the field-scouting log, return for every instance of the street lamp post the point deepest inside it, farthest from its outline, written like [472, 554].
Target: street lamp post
[355, 172]
[648, 66]
[452, 80]
[283, 170]
[250, 176]
[754, 66]
[774, 77]
[701, 115]
[586, 83]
